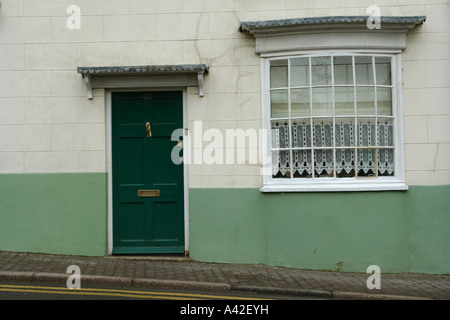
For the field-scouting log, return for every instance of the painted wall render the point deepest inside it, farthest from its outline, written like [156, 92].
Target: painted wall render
[402, 231]
[42, 96]
[50, 132]
[59, 213]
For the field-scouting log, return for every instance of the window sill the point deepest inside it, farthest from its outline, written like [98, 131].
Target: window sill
[334, 187]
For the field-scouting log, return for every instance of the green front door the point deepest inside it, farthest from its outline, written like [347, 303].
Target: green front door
[148, 200]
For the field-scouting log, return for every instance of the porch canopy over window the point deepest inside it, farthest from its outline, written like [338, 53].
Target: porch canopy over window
[110, 77]
[331, 33]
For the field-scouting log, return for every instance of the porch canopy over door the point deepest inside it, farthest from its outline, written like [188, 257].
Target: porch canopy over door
[155, 76]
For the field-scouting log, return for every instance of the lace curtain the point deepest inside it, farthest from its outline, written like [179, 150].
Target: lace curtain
[369, 160]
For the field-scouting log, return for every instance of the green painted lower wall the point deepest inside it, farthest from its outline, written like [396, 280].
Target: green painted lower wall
[403, 231]
[61, 213]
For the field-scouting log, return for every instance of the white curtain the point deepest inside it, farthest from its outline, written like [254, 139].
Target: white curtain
[368, 159]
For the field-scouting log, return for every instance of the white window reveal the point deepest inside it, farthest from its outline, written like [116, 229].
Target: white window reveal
[332, 103]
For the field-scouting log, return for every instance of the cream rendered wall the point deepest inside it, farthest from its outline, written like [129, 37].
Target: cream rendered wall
[426, 96]
[426, 87]
[47, 124]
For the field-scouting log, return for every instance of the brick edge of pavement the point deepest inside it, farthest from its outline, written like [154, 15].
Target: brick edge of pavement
[195, 285]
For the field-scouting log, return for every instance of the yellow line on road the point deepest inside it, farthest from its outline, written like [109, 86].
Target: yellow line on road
[81, 292]
[117, 293]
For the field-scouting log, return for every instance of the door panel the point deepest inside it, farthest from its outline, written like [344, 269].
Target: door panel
[132, 220]
[131, 161]
[164, 211]
[152, 224]
[163, 174]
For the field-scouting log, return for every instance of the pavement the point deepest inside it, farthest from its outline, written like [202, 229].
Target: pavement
[182, 273]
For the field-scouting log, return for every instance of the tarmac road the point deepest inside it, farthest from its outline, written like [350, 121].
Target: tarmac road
[47, 291]
[172, 304]
[177, 304]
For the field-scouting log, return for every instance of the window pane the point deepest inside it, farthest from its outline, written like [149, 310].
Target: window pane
[322, 103]
[363, 70]
[365, 100]
[386, 162]
[321, 71]
[279, 104]
[300, 72]
[345, 163]
[280, 133]
[343, 71]
[278, 73]
[301, 163]
[323, 132]
[323, 163]
[384, 101]
[315, 125]
[301, 133]
[300, 106]
[383, 70]
[344, 100]
[345, 132]
[385, 132]
[366, 132]
[367, 162]
[281, 164]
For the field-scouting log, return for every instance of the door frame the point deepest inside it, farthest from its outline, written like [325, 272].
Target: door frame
[108, 104]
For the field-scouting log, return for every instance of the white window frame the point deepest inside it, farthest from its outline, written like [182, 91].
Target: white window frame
[381, 183]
